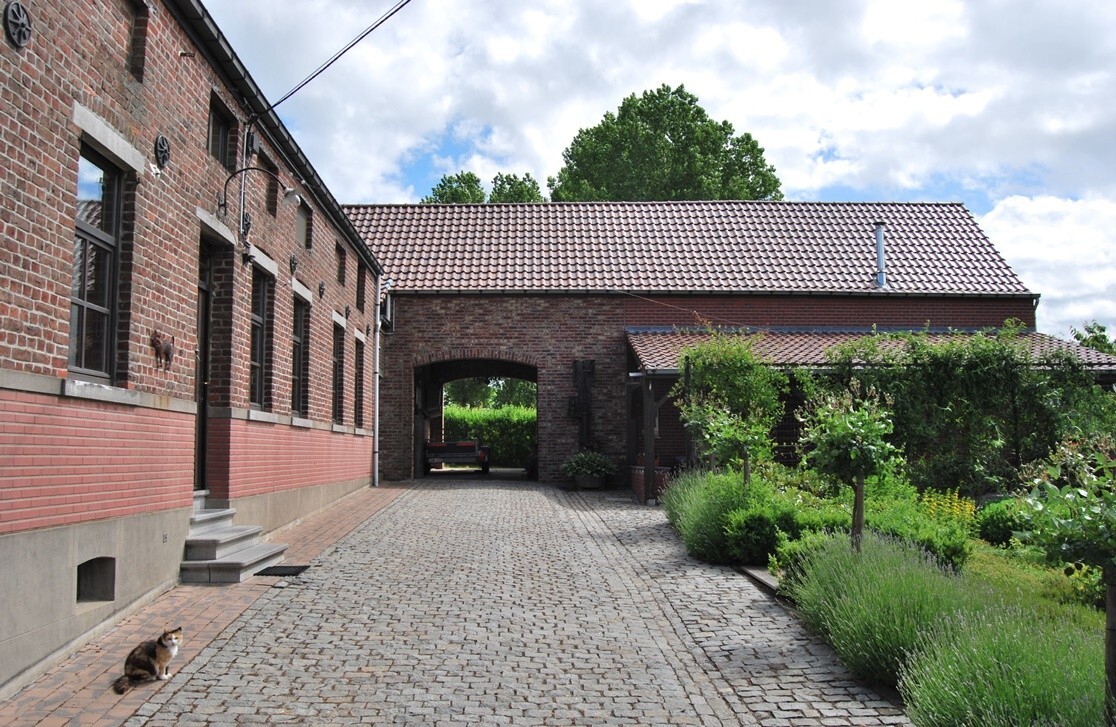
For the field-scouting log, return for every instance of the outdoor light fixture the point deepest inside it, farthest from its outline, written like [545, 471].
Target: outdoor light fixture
[290, 195]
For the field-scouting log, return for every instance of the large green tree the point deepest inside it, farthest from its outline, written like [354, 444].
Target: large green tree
[465, 188]
[461, 188]
[663, 146]
[514, 188]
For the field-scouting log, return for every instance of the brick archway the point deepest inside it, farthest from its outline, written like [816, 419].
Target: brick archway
[432, 370]
[479, 353]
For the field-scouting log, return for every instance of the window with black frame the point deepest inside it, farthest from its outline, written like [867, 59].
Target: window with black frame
[304, 226]
[260, 353]
[340, 263]
[222, 134]
[300, 359]
[338, 374]
[361, 274]
[93, 305]
[358, 385]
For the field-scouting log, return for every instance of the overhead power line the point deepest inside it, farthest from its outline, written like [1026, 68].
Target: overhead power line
[333, 59]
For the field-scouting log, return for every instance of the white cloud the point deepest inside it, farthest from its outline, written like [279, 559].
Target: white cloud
[1003, 109]
[1063, 249]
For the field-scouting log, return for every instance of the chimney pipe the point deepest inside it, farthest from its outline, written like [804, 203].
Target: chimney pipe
[881, 261]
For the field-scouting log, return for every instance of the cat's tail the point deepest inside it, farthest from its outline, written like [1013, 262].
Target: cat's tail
[123, 685]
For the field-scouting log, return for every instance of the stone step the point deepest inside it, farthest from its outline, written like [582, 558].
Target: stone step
[217, 543]
[199, 499]
[204, 521]
[233, 568]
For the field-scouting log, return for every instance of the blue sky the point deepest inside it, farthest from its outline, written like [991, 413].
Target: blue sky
[1008, 111]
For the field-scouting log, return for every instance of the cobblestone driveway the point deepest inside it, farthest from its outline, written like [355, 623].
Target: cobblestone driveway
[509, 603]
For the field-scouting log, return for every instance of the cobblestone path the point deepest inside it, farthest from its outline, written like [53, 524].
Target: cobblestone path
[478, 602]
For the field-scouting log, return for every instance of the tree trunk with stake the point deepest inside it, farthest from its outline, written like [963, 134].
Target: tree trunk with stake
[857, 532]
[1110, 646]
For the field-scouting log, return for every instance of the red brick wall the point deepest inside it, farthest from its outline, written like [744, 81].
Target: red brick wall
[258, 458]
[64, 461]
[80, 53]
[553, 331]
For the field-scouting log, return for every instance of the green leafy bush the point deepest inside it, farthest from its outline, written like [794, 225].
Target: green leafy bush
[947, 539]
[787, 563]
[698, 505]
[752, 534]
[1022, 574]
[509, 430]
[587, 462]
[873, 605]
[970, 410]
[997, 522]
[993, 669]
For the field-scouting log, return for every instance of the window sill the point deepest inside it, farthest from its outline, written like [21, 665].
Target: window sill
[255, 415]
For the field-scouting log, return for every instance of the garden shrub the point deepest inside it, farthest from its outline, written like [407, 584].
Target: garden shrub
[871, 606]
[509, 430]
[946, 539]
[997, 522]
[993, 669]
[787, 563]
[729, 400]
[752, 534]
[698, 505]
[1022, 574]
[949, 505]
[970, 410]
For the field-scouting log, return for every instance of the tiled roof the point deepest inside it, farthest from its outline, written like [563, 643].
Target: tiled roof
[716, 247]
[659, 350]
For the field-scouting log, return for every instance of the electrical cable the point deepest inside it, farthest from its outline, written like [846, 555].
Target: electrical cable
[322, 68]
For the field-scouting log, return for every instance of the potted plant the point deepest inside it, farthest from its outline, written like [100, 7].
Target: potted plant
[588, 468]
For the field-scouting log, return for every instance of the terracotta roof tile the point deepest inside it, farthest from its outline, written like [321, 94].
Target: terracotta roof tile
[716, 247]
[659, 350]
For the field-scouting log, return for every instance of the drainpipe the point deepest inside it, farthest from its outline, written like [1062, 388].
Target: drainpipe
[376, 391]
[881, 262]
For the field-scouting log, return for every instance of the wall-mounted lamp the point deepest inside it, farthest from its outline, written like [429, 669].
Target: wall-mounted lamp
[290, 196]
[294, 264]
[348, 310]
[321, 290]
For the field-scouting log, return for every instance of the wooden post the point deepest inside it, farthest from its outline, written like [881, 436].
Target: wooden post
[650, 409]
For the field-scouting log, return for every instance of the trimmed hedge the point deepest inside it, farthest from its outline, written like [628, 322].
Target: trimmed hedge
[722, 520]
[509, 430]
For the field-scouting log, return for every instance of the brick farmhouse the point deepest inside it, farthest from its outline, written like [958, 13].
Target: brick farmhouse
[191, 349]
[549, 292]
[157, 356]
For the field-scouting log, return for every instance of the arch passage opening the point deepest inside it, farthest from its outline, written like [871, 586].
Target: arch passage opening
[476, 414]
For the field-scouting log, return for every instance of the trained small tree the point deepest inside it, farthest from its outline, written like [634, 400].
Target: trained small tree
[845, 436]
[1075, 522]
[729, 399]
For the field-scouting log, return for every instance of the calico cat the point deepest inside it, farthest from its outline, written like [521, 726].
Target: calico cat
[149, 661]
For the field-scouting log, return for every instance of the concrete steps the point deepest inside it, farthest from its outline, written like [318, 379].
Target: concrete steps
[219, 552]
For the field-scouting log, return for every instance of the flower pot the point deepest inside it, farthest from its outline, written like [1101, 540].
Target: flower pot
[589, 482]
